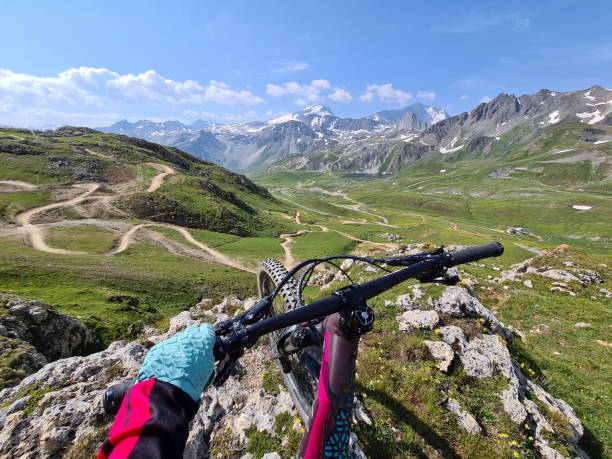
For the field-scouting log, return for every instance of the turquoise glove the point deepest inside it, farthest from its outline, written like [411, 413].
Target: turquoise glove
[185, 360]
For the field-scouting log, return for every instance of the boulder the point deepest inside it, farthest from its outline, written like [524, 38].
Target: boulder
[476, 365]
[54, 334]
[464, 419]
[417, 319]
[442, 351]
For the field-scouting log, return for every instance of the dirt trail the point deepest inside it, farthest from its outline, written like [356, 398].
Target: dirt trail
[124, 243]
[100, 155]
[158, 180]
[11, 186]
[288, 239]
[36, 232]
[356, 206]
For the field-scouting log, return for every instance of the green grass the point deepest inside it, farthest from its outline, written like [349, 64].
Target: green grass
[13, 203]
[81, 238]
[83, 286]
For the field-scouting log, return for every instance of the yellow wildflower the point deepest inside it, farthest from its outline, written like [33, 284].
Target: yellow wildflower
[436, 331]
[516, 454]
[503, 435]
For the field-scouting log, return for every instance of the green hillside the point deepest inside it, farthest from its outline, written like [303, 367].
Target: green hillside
[156, 277]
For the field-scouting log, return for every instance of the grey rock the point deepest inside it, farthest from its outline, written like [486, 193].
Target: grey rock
[477, 365]
[457, 302]
[547, 452]
[271, 456]
[453, 336]
[54, 334]
[464, 419]
[527, 283]
[582, 325]
[442, 351]
[417, 319]
[493, 348]
[513, 406]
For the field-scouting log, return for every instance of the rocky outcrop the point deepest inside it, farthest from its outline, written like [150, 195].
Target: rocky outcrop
[485, 356]
[417, 319]
[57, 411]
[33, 333]
[54, 334]
[464, 419]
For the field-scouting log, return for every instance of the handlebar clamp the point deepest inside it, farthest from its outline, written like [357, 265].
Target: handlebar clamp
[356, 316]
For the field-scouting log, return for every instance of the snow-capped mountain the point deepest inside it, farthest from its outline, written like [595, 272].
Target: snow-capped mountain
[491, 128]
[426, 114]
[165, 132]
[256, 145]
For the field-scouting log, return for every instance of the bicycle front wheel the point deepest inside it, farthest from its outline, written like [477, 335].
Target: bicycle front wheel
[302, 379]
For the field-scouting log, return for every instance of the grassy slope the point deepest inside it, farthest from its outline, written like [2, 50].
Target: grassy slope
[102, 290]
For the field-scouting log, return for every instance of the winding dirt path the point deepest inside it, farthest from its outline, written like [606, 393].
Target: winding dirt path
[158, 180]
[17, 185]
[125, 240]
[288, 239]
[35, 232]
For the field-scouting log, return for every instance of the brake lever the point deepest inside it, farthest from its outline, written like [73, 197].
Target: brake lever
[254, 314]
[224, 369]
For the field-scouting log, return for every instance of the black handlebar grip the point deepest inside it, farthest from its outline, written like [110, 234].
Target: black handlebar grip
[111, 401]
[492, 249]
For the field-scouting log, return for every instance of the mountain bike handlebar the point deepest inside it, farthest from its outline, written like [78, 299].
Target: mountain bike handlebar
[243, 331]
[240, 336]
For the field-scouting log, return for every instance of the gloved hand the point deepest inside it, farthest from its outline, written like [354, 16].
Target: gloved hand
[185, 360]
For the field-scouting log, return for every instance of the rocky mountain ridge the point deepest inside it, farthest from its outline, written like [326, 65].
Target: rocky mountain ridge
[491, 128]
[254, 145]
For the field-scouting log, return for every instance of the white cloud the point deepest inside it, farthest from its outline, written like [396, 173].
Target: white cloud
[341, 95]
[102, 87]
[322, 84]
[385, 93]
[290, 67]
[190, 113]
[308, 93]
[464, 97]
[230, 117]
[426, 95]
[269, 113]
[275, 90]
[485, 99]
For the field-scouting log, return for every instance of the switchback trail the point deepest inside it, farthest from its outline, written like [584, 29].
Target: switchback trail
[35, 232]
[124, 243]
[288, 239]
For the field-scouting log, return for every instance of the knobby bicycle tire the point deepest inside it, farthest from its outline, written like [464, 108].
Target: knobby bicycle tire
[300, 384]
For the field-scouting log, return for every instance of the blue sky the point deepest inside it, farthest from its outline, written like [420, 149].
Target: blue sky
[93, 63]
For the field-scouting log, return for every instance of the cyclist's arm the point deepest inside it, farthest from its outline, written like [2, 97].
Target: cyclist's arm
[151, 423]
